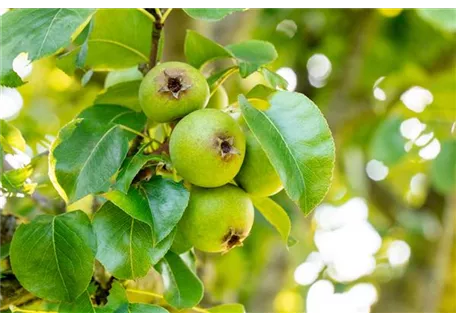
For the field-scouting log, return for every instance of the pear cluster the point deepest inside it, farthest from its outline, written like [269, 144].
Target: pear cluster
[223, 163]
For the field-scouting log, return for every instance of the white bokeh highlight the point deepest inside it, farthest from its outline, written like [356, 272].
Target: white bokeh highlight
[376, 170]
[289, 75]
[398, 253]
[319, 68]
[417, 98]
[11, 103]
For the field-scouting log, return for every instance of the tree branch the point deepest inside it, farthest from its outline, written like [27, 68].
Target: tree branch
[155, 40]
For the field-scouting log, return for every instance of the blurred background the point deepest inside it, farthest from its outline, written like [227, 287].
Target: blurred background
[384, 239]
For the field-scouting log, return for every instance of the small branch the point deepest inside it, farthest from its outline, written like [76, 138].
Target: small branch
[155, 41]
[133, 131]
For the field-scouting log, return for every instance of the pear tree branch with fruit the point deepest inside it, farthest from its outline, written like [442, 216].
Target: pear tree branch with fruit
[175, 167]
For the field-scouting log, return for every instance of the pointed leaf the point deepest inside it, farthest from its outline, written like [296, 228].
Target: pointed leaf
[297, 140]
[39, 32]
[213, 14]
[183, 289]
[53, 256]
[11, 137]
[252, 54]
[275, 215]
[228, 308]
[200, 50]
[124, 244]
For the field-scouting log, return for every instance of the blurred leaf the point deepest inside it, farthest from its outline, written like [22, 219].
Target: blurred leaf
[304, 159]
[252, 54]
[123, 75]
[441, 18]
[217, 78]
[38, 256]
[11, 137]
[82, 304]
[113, 44]
[83, 36]
[86, 77]
[200, 50]
[160, 203]
[131, 167]
[274, 79]
[260, 92]
[443, 168]
[275, 215]
[39, 32]
[183, 289]
[210, 14]
[15, 180]
[5, 250]
[145, 308]
[124, 244]
[387, 144]
[228, 308]
[123, 94]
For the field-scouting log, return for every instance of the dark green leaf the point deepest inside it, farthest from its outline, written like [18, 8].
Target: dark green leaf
[387, 144]
[210, 14]
[145, 308]
[443, 168]
[200, 50]
[275, 80]
[11, 137]
[252, 54]
[113, 44]
[275, 215]
[82, 304]
[39, 32]
[444, 19]
[84, 157]
[4, 250]
[124, 244]
[131, 167]
[304, 158]
[124, 94]
[53, 256]
[183, 289]
[159, 202]
[228, 308]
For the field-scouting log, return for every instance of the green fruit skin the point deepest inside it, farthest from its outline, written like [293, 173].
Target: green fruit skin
[219, 99]
[120, 76]
[194, 152]
[257, 175]
[162, 106]
[211, 215]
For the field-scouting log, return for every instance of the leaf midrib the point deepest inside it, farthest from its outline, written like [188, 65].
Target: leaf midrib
[56, 258]
[47, 31]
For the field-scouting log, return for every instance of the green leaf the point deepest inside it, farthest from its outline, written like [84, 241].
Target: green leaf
[275, 80]
[443, 168]
[86, 77]
[131, 167]
[90, 150]
[252, 54]
[387, 144]
[84, 157]
[124, 244]
[39, 32]
[200, 50]
[297, 140]
[15, 180]
[159, 202]
[124, 94]
[210, 14]
[115, 44]
[82, 304]
[117, 300]
[217, 78]
[123, 75]
[145, 308]
[53, 256]
[444, 19]
[228, 308]
[183, 289]
[11, 137]
[275, 215]
[260, 92]
[5, 250]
